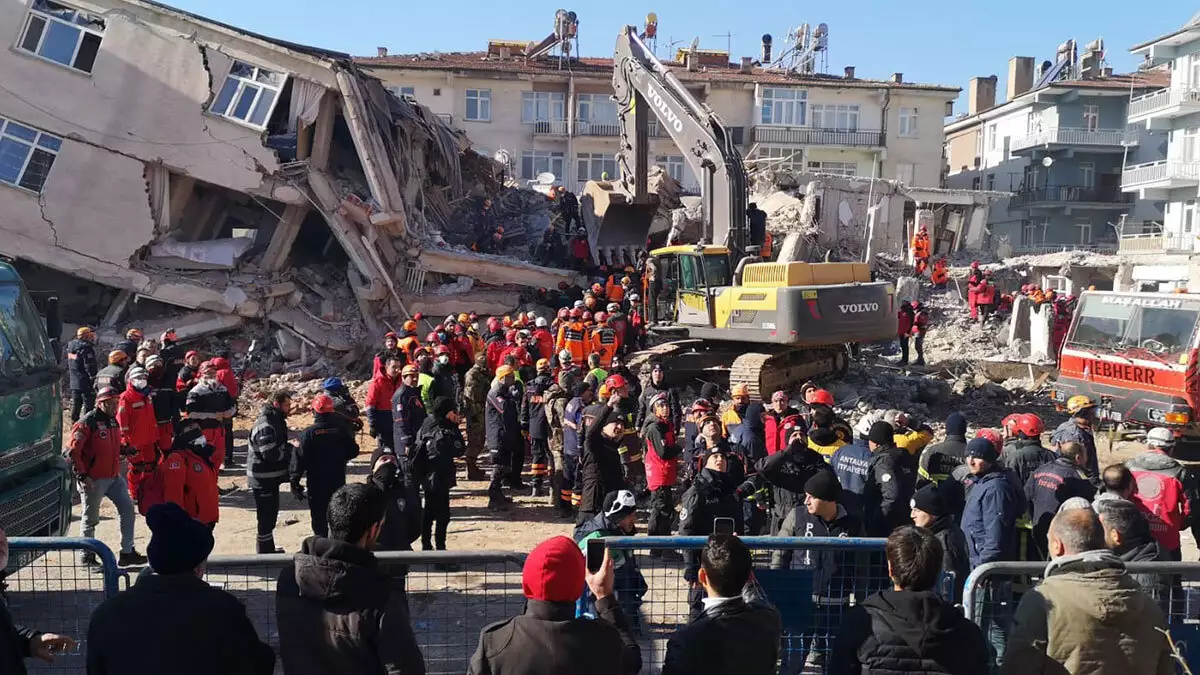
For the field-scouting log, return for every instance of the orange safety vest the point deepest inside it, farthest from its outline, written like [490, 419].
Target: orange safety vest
[409, 346]
[604, 343]
[939, 275]
[575, 341]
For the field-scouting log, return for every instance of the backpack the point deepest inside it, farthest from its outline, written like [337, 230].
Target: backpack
[152, 490]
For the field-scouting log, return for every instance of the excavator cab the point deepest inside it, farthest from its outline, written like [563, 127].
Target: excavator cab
[692, 276]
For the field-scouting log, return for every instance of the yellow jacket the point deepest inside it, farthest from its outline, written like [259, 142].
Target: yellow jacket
[825, 450]
[913, 441]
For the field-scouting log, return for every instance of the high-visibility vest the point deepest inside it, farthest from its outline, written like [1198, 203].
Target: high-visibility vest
[604, 343]
[574, 341]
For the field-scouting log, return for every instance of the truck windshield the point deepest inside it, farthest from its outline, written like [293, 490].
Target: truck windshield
[716, 271]
[1116, 327]
[24, 346]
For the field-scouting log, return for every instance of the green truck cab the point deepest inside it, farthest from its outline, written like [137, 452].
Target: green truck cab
[35, 479]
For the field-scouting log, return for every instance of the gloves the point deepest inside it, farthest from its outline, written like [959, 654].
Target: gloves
[298, 492]
[128, 451]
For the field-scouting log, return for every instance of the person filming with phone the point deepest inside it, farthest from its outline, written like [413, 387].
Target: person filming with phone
[709, 507]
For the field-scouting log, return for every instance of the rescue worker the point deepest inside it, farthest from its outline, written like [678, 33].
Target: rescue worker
[504, 441]
[938, 460]
[379, 404]
[1079, 428]
[324, 450]
[891, 482]
[904, 327]
[940, 277]
[113, 375]
[172, 355]
[556, 399]
[226, 377]
[391, 349]
[1023, 453]
[188, 375]
[920, 250]
[475, 390]
[268, 460]
[344, 404]
[533, 419]
[776, 433]
[985, 297]
[408, 412]
[442, 383]
[568, 205]
[573, 437]
[209, 403]
[438, 444]
[571, 337]
[852, 463]
[909, 436]
[139, 429]
[662, 465]
[822, 438]
[82, 368]
[818, 399]
[133, 338]
[95, 452]
[496, 349]
[731, 419]
[1054, 483]
[604, 341]
[189, 475]
[596, 375]
[920, 324]
[974, 279]
[658, 386]
[756, 220]
[1166, 490]
[163, 399]
[408, 341]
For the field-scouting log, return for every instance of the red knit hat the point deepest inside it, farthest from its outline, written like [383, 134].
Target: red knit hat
[554, 571]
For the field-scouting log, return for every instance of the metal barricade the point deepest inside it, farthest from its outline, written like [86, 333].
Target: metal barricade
[48, 588]
[993, 590]
[452, 595]
[811, 581]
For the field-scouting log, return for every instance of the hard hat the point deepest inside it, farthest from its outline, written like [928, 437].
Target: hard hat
[168, 335]
[507, 321]
[510, 335]
[409, 370]
[321, 403]
[564, 357]
[473, 315]
[493, 324]
[441, 349]
[542, 364]
[613, 307]
[154, 360]
[1009, 423]
[504, 371]
[634, 297]
[564, 313]
[597, 288]
[83, 330]
[601, 317]
[524, 333]
[390, 334]
[589, 302]
[576, 313]
[578, 305]
[116, 356]
[191, 353]
[410, 326]
[586, 316]
[332, 383]
[821, 396]
[541, 322]
[991, 435]
[1030, 425]
[896, 418]
[741, 389]
[1078, 403]
[615, 382]
[864, 424]
[626, 280]
[1160, 437]
[133, 334]
[432, 337]
[107, 393]
[418, 316]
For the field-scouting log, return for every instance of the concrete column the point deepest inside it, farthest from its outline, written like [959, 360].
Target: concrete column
[284, 237]
[1041, 324]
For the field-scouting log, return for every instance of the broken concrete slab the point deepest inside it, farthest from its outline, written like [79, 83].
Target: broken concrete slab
[188, 327]
[908, 288]
[496, 271]
[217, 254]
[311, 329]
[485, 303]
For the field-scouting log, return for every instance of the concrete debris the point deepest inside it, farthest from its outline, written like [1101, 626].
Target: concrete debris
[218, 254]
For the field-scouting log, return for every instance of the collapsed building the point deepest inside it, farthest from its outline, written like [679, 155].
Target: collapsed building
[154, 155]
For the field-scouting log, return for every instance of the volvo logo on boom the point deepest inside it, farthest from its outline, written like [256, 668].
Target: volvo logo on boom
[664, 107]
[859, 307]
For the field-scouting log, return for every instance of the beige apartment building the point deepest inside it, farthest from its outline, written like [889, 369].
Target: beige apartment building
[555, 115]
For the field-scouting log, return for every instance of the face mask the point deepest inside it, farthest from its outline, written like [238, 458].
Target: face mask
[443, 360]
[139, 383]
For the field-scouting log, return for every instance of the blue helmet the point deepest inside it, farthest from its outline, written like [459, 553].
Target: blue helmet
[332, 383]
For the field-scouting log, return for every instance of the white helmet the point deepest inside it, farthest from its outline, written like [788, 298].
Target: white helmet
[540, 322]
[1160, 437]
[863, 427]
[613, 307]
[578, 304]
[530, 316]
[564, 356]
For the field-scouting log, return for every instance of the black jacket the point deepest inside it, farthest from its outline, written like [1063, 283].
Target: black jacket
[834, 571]
[14, 642]
[443, 384]
[129, 347]
[269, 454]
[408, 412]
[1023, 457]
[955, 558]
[175, 624]
[908, 632]
[711, 496]
[402, 526]
[172, 355]
[739, 636]
[346, 408]
[337, 612]
[891, 479]
[324, 450]
[1052, 484]
[548, 640]
[533, 408]
[600, 464]
[110, 376]
[787, 471]
[939, 459]
[81, 364]
[648, 394]
[503, 418]
[439, 442]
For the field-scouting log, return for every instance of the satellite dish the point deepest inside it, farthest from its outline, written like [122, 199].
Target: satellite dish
[695, 43]
[1047, 162]
[545, 178]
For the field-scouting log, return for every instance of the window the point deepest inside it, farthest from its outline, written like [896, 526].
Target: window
[1191, 149]
[26, 155]
[248, 95]
[905, 172]
[479, 105]
[1195, 71]
[992, 129]
[835, 116]
[1033, 123]
[1031, 177]
[542, 106]
[410, 92]
[835, 168]
[785, 159]
[1189, 216]
[1028, 236]
[597, 108]
[1007, 148]
[1087, 175]
[593, 166]
[689, 273]
[673, 165]
[1083, 232]
[991, 181]
[63, 35]
[784, 107]
[1091, 117]
[437, 91]
[979, 142]
[976, 183]
[908, 123]
[534, 162]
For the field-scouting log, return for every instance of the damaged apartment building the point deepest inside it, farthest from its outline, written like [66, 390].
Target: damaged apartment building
[151, 154]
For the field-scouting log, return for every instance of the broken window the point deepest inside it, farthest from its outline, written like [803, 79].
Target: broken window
[783, 159]
[63, 35]
[249, 94]
[26, 155]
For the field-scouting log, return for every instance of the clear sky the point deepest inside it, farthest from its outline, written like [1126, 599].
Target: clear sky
[930, 41]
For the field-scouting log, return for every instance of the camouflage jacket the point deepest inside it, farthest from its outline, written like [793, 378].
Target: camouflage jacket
[556, 403]
[475, 390]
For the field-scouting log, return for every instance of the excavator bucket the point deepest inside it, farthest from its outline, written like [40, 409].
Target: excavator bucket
[614, 222]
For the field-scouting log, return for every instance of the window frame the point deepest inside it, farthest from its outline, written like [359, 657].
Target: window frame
[1091, 117]
[1028, 232]
[852, 112]
[481, 97]
[1087, 175]
[834, 168]
[47, 19]
[590, 160]
[551, 99]
[1083, 227]
[906, 172]
[792, 105]
[993, 133]
[909, 121]
[236, 97]
[32, 146]
[588, 103]
[795, 163]
[551, 156]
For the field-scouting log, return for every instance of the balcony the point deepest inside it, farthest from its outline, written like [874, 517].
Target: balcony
[810, 136]
[1093, 139]
[1067, 195]
[1162, 175]
[1164, 104]
[549, 127]
[1157, 242]
[1042, 249]
[598, 128]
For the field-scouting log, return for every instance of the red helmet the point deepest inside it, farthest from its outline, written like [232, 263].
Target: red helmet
[992, 435]
[459, 329]
[792, 423]
[507, 322]
[510, 335]
[701, 405]
[601, 317]
[821, 396]
[564, 313]
[576, 313]
[493, 324]
[441, 349]
[321, 403]
[432, 337]
[615, 382]
[587, 316]
[1030, 425]
[1009, 423]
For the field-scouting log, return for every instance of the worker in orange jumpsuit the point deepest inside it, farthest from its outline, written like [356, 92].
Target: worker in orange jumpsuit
[920, 250]
[571, 337]
[139, 427]
[409, 341]
[189, 475]
[939, 277]
[974, 278]
[603, 341]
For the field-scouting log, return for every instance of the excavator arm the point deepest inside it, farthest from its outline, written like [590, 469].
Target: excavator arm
[642, 83]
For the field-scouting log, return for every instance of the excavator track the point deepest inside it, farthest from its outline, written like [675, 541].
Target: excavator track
[765, 374]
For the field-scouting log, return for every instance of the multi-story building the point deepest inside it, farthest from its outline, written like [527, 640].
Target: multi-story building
[1058, 144]
[1158, 257]
[557, 116]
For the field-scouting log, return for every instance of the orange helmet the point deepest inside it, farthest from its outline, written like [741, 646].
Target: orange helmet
[410, 370]
[410, 326]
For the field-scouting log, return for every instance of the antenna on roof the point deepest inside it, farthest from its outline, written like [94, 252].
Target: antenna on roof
[808, 49]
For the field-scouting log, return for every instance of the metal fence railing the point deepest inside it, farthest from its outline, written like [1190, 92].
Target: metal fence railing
[992, 591]
[811, 581]
[50, 589]
[452, 595]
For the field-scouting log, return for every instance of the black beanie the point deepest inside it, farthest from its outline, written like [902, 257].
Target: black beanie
[956, 424]
[443, 406]
[710, 391]
[983, 449]
[929, 499]
[882, 433]
[824, 485]
[178, 543]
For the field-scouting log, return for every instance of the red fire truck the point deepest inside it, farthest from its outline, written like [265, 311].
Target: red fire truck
[1135, 354]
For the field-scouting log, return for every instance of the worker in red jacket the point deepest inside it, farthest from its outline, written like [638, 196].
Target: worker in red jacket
[985, 297]
[974, 279]
[920, 324]
[379, 402]
[904, 324]
[139, 427]
[496, 349]
[189, 475]
[228, 380]
[543, 338]
[391, 348]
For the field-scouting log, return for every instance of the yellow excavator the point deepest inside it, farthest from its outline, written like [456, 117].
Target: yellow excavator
[718, 305]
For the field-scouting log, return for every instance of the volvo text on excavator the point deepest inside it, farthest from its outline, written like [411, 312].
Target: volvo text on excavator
[773, 324]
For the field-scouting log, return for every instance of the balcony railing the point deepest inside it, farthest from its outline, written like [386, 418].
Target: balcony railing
[1071, 194]
[581, 128]
[808, 136]
[1162, 99]
[549, 127]
[598, 128]
[1157, 242]
[1040, 249]
[1070, 136]
[1164, 171]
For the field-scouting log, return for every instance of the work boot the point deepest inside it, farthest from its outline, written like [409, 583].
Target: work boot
[131, 559]
[89, 559]
[474, 472]
[498, 502]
